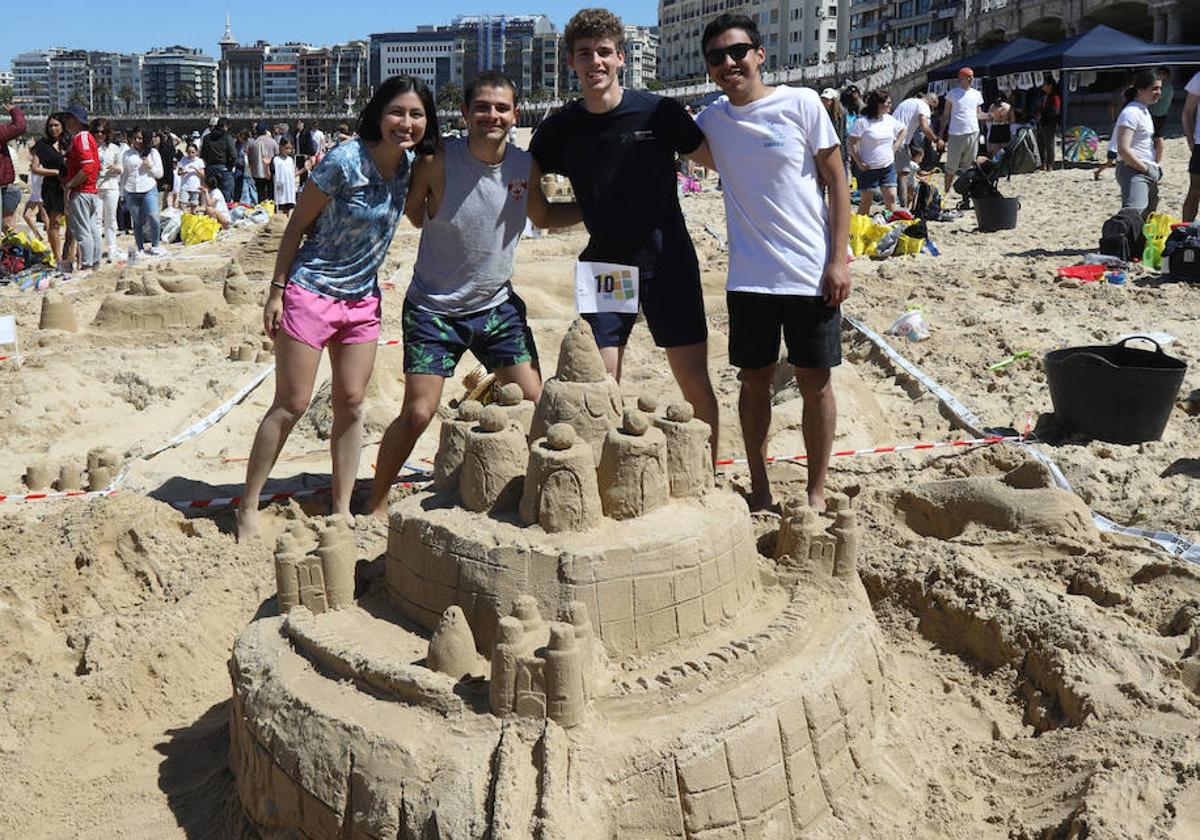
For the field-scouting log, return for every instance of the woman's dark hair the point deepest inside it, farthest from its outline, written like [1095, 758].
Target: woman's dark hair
[1144, 79]
[134, 132]
[875, 100]
[100, 124]
[850, 100]
[371, 118]
[212, 182]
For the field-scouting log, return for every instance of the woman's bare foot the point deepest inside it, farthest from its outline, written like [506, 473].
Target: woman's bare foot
[249, 525]
[760, 501]
[816, 500]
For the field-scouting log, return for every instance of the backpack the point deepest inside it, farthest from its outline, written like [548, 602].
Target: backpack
[1121, 236]
[1023, 154]
[928, 202]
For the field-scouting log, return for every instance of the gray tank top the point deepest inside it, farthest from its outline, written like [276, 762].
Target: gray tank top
[465, 259]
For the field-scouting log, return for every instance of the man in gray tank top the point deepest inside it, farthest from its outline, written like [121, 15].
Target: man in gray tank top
[470, 200]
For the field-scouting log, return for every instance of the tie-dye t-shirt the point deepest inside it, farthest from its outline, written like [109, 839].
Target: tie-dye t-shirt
[342, 255]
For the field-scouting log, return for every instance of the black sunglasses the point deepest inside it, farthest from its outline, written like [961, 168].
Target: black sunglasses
[737, 52]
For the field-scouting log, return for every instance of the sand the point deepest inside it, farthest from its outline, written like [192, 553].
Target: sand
[1043, 678]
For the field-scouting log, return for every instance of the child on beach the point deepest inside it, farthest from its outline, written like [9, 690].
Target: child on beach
[214, 201]
[191, 173]
[283, 169]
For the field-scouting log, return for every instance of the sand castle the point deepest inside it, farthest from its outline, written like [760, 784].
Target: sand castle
[159, 298]
[574, 575]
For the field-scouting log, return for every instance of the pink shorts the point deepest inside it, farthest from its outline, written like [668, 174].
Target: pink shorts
[317, 320]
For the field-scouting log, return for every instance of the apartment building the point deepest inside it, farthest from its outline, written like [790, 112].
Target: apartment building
[179, 77]
[428, 54]
[874, 24]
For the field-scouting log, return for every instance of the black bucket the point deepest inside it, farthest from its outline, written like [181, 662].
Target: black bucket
[996, 213]
[1112, 392]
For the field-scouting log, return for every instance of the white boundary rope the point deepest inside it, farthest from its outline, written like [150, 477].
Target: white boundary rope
[220, 411]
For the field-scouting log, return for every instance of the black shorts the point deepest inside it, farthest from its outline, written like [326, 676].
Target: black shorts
[1159, 122]
[674, 308]
[1194, 163]
[811, 330]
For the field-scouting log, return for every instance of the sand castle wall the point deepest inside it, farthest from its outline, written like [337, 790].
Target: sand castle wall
[646, 582]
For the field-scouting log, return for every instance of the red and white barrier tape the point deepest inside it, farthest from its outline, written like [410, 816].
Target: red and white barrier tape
[880, 450]
[112, 488]
[391, 342]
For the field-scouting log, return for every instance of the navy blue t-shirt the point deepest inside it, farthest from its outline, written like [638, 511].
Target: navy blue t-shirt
[621, 165]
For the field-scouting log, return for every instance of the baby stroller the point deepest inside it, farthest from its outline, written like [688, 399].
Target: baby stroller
[1019, 157]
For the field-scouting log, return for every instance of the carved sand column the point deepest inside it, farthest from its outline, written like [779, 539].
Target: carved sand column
[336, 551]
[560, 492]
[493, 463]
[689, 458]
[564, 677]
[633, 468]
[452, 442]
[502, 688]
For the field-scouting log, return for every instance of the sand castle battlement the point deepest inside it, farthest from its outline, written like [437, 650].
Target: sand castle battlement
[571, 569]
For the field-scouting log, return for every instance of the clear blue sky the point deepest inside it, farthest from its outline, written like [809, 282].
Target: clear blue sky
[136, 27]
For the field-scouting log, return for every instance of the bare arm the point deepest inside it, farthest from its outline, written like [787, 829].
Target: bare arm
[309, 205]
[426, 170]
[835, 278]
[35, 166]
[1189, 116]
[702, 155]
[544, 214]
[928, 129]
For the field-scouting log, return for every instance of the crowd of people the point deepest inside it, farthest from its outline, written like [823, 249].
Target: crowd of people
[90, 180]
[785, 156]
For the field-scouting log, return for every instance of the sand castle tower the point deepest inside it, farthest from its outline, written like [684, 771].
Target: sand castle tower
[590, 577]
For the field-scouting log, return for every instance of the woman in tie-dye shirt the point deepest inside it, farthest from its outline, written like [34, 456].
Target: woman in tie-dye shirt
[324, 292]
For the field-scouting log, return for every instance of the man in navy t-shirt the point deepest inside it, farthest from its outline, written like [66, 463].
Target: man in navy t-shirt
[618, 149]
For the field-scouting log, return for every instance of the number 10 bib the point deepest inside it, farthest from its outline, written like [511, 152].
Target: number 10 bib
[606, 287]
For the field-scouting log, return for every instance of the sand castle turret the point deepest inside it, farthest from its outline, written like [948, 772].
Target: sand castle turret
[581, 392]
[57, 313]
[452, 443]
[493, 463]
[633, 468]
[315, 568]
[510, 399]
[809, 540]
[561, 493]
[689, 455]
[452, 647]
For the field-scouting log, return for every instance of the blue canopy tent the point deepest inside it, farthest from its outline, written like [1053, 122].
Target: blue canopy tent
[1099, 48]
[981, 62]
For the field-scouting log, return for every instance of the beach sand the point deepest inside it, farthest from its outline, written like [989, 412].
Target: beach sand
[1044, 678]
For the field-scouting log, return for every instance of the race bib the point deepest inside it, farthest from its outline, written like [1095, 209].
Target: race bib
[606, 287]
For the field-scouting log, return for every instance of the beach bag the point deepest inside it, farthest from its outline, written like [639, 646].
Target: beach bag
[908, 245]
[196, 229]
[1181, 254]
[1023, 154]
[171, 219]
[1121, 236]
[865, 234]
[928, 203]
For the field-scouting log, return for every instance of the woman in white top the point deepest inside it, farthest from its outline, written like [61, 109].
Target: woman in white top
[141, 167]
[191, 173]
[34, 209]
[874, 140]
[283, 169]
[108, 182]
[1137, 172]
[214, 201]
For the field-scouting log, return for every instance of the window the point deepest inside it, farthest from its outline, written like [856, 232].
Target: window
[775, 16]
[833, 11]
[832, 34]
[906, 9]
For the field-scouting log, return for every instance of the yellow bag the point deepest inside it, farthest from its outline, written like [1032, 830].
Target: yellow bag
[865, 234]
[267, 205]
[908, 245]
[196, 229]
[1156, 230]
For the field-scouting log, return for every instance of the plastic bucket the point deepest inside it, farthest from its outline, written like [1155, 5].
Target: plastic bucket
[1113, 392]
[996, 213]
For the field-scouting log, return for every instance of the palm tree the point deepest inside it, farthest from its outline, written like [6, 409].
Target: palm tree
[449, 96]
[127, 94]
[102, 94]
[184, 95]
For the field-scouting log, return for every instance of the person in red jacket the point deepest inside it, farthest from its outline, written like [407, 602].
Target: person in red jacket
[83, 204]
[10, 193]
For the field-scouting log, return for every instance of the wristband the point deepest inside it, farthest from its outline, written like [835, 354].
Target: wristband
[278, 285]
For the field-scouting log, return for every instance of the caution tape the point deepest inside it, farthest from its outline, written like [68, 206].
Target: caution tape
[220, 411]
[1171, 543]
[232, 501]
[879, 450]
[40, 495]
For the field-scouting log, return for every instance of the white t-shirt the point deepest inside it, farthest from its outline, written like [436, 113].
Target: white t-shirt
[964, 116]
[192, 168]
[774, 206]
[218, 203]
[1136, 116]
[1193, 87]
[285, 179]
[875, 139]
[909, 114]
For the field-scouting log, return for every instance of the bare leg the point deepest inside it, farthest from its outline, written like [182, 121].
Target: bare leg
[754, 410]
[865, 197]
[352, 366]
[422, 394]
[1192, 201]
[525, 375]
[31, 216]
[295, 372]
[613, 357]
[689, 363]
[889, 199]
[54, 234]
[818, 422]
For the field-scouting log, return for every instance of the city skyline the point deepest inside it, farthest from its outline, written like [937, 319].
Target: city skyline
[78, 25]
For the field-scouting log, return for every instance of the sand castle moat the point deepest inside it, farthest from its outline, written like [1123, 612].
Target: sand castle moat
[571, 582]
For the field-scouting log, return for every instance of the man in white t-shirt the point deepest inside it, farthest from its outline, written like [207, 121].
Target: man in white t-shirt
[777, 152]
[1137, 171]
[964, 110]
[915, 114]
[1191, 130]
